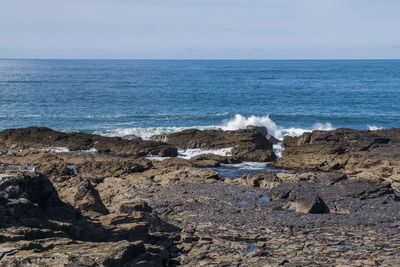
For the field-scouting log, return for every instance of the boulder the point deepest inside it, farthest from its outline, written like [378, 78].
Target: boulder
[309, 204]
[303, 198]
[87, 198]
[28, 199]
[260, 129]
[261, 179]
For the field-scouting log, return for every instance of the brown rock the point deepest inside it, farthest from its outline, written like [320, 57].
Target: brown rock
[132, 137]
[372, 155]
[272, 139]
[87, 198]
[309, 204]
[260, 129]
[247, 144]
[218, 158]
[138, 205]
[262, 179]
[42, 137]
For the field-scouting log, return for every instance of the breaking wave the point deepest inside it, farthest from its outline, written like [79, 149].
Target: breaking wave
[237, 122]
[374, 128]
[240, 121]
[146, 133]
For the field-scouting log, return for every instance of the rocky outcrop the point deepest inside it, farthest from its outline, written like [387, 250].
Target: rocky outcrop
[38, 229]
[373, 155]
[246, 144]
[42, 137]
[80, 209]
[28, 200]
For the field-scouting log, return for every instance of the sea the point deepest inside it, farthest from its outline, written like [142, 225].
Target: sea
[147, 97]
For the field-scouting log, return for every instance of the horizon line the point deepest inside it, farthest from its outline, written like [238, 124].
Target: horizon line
[211, 59]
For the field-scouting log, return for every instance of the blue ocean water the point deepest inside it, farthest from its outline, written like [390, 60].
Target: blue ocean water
[116, 97]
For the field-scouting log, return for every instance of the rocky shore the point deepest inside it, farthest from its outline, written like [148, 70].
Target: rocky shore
[77, 199]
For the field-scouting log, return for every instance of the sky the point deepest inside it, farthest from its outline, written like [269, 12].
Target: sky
[200, 29]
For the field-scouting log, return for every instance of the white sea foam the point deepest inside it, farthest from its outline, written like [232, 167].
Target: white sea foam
[147, 132]
[56, 149]
[89, 151]
[247, 165]
[373, 127]
[240, 122]
[190, 153]
[157, 158]
[66, 149]
[278, 148]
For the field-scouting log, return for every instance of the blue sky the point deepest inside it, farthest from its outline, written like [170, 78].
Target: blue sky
[200, 29]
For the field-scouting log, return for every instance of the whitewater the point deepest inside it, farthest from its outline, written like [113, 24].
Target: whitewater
[237, 122]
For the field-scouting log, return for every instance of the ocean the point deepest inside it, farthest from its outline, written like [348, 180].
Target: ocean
[146, 97]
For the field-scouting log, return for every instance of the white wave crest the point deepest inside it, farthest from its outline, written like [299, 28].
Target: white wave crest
[240, 122]
[247, 165]
[66, 149]
[56, 149]
[146, 133]
[278, 148]
[156, 158]
[373, 128]
[192, 152]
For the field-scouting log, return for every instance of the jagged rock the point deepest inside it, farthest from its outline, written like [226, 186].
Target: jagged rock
[218, 158]
[262, 179]
[27, 198]
[120, 253]
[38, 229]
[249, 152]
[125, 227]
[308, 204]
[132, 137]
[333, 178]
[373, 155]
[87, 198]
[260, 129]
[246, 144]
[199, 161]
[42, 137]
[272, 139]
[138, 205]
[100, 168]
[185, 174]
[185, 215]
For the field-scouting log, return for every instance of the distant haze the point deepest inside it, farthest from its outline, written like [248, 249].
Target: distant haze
[200, 29]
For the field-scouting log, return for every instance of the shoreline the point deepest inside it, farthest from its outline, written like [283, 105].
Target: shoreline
[338, 205]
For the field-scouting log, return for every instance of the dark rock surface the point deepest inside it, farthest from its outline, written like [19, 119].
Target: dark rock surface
[80, 209]
[373, 155]
[220, 222]
[246, 144]
[38, 229]
[42, 137]
[262, 179]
